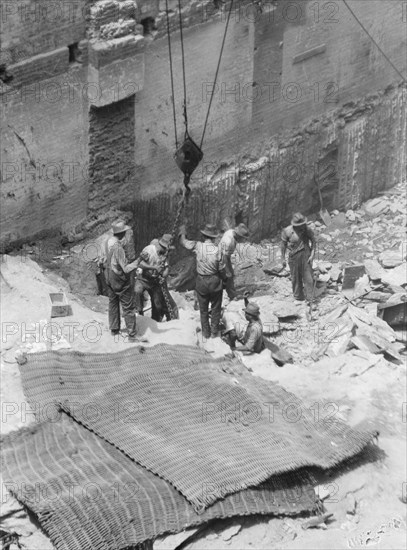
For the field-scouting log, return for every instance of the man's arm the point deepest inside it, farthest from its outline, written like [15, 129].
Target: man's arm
[121, 260]
[313, 242]
[283, 248]
[254, 334]
[189, 245]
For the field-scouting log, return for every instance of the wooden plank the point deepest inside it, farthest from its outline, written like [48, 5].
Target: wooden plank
[317, 50]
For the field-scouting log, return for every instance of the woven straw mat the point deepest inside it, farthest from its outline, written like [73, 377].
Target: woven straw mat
[188, 418]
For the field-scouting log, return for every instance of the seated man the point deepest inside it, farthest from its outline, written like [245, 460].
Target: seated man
[252, 339]
[153, 263]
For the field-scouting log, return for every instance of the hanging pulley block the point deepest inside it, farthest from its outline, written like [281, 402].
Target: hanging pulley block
[188, 156]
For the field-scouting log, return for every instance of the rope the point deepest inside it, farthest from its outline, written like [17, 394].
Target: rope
[171, 73]
[183, 68]
[217, 71]
[374, 41]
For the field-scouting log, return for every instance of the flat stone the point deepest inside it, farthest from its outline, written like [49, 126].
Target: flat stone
[391, 258]
[285, 309]
[396, 276]
[375, 207]
[374, 270]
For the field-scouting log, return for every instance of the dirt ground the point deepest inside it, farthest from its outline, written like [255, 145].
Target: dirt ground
[367, 498]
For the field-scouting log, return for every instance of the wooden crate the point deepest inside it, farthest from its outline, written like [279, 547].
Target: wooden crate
[59, 305]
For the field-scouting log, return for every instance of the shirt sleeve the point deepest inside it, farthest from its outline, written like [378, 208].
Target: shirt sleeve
[284, 236]
[189, 245]
[120, 257]
[255, 333]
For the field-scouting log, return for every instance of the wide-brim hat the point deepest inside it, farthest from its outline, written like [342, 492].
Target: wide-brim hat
[165, 241]
[252, 309]
[210, 231]
[298, 219]
[242, 231]
[119, 227]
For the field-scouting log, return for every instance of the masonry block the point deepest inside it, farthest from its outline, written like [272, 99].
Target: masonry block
[39, 67]
[116, 70]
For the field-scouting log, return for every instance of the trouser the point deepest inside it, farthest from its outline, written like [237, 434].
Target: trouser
[301, 275]
[158, 307]
[231, 338]
[120, 292]
[209, 291]
[230, 281]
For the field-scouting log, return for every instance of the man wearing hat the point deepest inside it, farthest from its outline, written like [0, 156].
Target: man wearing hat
[300, 241]
[210, 276]
[252, 340]
[153, 263]
[227, 245]
[119, 286]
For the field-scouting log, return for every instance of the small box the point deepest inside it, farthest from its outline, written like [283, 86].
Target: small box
[59, 305]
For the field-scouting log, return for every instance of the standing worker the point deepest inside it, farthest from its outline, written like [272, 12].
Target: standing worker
[119, 283]
[227, 246]
[209, 280]
[153, 263]
[300, 241]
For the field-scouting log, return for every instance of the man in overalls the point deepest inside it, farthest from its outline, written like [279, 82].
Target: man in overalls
[300, 241]
[227, 245]
[209, 279]
[119, 284]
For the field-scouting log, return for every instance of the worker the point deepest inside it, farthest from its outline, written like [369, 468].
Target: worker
[209, 279]
[119, 287]
[227, 245]
[300, 241]
[153, 264]
[252, 340]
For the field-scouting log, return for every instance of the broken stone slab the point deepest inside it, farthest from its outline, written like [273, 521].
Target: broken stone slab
[284, 310]
[350, 275]
[396, 276]
[377, 296]
[391, 258]
[374, 270]
[278, 270]
[362, 342]
[279, 355]
[375, 207]
[395, 312]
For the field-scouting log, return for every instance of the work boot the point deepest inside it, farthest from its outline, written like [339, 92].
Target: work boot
[115, 332]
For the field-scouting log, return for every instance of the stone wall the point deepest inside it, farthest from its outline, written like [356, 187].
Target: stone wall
[301, 92]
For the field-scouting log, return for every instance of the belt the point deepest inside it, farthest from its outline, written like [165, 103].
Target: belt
[209, 275]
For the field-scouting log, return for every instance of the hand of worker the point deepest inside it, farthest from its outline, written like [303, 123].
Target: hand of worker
[182, 230]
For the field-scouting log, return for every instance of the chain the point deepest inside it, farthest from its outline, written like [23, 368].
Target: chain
[161, 279]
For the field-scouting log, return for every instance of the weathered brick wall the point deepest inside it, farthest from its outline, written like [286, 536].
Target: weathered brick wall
[111, 156]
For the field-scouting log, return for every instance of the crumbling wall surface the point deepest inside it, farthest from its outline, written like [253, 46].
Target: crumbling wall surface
[317, 101]
[154, 128]
[353, 153]
[43, 118]
[44, 157]
[111, 155]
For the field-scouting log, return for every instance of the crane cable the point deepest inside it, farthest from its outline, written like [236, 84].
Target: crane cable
[171, 74]
[217, 72]
[185, 193]
[374, 41]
